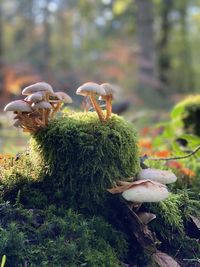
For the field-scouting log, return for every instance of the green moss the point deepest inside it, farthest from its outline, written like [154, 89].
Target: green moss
[57, 237]
[82, 157]
[170, 225]
[187, 112]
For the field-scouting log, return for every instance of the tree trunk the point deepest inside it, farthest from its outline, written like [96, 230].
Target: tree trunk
[164, 56]
[145, 36]
[46, 41]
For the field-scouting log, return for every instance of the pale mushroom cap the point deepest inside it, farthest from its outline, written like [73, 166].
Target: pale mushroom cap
[90, 87]
[41, 105]
[65, 98]
[37, 87]
[109, 89]
[160, 176]
[18, 105]
[146, 191]
[36, 97]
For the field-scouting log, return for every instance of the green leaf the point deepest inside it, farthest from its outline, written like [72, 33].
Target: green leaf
[177, 111]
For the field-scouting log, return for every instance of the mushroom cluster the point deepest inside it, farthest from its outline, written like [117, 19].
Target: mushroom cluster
[105, 91]
[150, 186]
[39, 106]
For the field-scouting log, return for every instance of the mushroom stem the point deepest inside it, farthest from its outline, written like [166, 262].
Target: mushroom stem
[56, 109]
[97, 108]
[108, 106]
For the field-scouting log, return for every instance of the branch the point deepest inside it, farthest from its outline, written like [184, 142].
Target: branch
[178, 157]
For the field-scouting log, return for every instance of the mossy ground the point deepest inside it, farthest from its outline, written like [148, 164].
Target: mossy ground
[69, 165]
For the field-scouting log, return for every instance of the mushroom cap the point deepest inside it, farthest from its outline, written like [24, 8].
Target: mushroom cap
[37, 87]
[41, 105]
[160, 176]
[146, 191]
[19, 106]
[65, 98]
[36, 97]
[90, 87]
[109, 89]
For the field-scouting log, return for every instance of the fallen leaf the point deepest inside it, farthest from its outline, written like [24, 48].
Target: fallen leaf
[196, 221]
[164, 260]
[146, 217]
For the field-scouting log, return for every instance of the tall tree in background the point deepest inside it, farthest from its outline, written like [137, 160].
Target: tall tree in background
[46, 46]
[147, 52]
[164, 57]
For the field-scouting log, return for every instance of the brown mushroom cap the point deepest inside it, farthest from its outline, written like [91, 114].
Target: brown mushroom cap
[146, 191]
[18, 105]
[41, 105]
[37, 87]
[160, 176]
[90, 87]
[65, 98]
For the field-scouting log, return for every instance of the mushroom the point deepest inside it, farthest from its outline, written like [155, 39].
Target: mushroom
[91, 89]
[38, 87]
[22, 109]
[61, 98]
[160, 176]
[141, 191]
[42, 106]
[36, 97]
[18, 106]
[110, 92]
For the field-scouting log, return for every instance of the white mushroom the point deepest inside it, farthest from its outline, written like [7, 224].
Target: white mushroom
[38, 87]
[18, 106]
[141, 191]
[43, 106]
[160, 176]
[110, 93]
[36, 97]
[146, 191]
[91, 89]
[62, 98]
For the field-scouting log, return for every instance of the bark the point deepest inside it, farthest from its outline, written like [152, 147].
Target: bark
[164, 56]
[46, 40]
[147, 71]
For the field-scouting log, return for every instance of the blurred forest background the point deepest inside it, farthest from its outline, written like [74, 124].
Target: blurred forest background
[148, 48]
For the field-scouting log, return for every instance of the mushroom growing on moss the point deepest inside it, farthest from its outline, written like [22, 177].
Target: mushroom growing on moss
[38, 87]
[160, 176]
[43, 107]
[92, 89]
[141, 191]
[57, 99]
[22, 109]
[110, 92]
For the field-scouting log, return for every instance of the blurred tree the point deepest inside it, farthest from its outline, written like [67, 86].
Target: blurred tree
[164, 57]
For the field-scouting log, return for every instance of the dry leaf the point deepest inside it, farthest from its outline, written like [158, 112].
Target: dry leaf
[196, 221]
[164, 260]
[146, 217]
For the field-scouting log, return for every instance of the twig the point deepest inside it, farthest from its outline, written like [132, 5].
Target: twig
[178, 157]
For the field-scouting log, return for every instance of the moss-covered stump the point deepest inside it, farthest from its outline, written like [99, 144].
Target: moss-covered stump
[83, 157]
[187, 112]
[75, 159]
